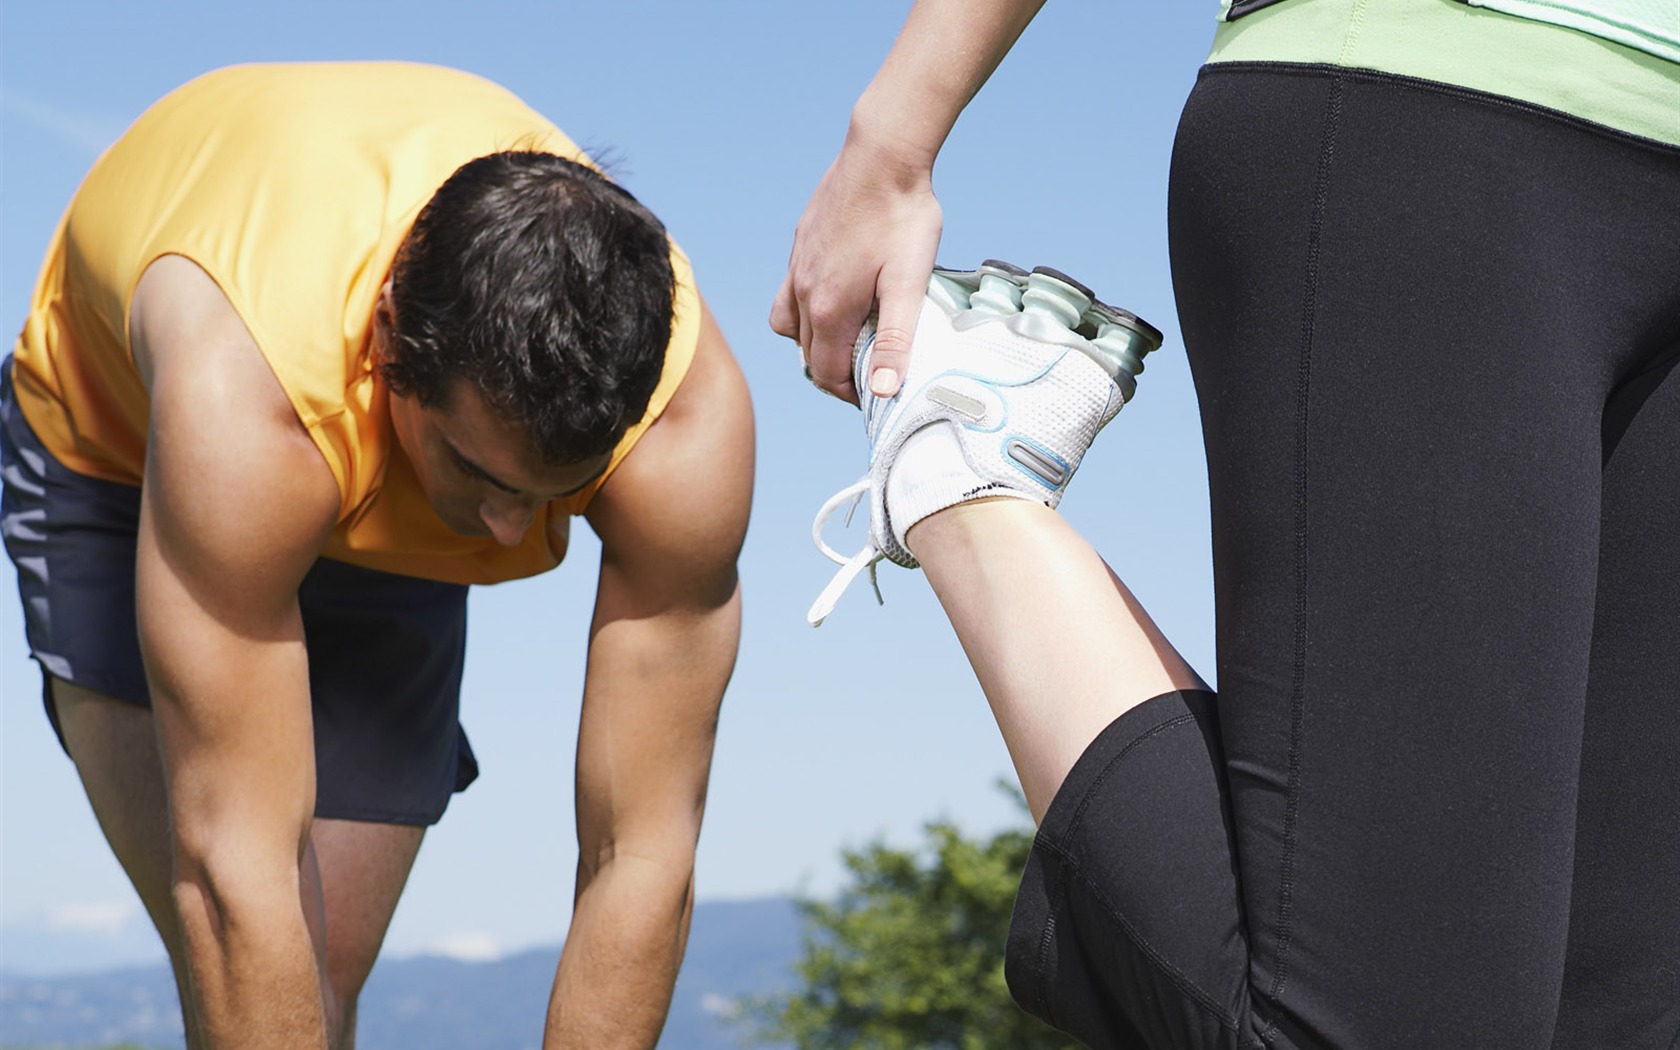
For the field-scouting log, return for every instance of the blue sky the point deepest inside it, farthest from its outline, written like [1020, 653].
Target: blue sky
[721, 116]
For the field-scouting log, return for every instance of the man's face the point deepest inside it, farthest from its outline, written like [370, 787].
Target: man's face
[477, 469]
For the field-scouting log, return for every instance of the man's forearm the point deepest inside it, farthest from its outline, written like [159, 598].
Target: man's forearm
[240, 797]
[629, 928]
[661, 648]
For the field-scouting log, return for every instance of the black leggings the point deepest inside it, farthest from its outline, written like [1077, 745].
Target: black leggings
[1436, 802]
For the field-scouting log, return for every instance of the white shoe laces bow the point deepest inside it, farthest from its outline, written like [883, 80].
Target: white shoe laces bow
[850, 567]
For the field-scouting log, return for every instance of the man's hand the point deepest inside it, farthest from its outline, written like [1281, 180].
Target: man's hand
[667, 622]
[869, 236]
[235, 505]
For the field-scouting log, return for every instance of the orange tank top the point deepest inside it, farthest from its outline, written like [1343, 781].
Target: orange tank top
[291, 186]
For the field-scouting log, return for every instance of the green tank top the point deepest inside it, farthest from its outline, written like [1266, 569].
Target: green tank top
[1652, 26]
[1620, 67]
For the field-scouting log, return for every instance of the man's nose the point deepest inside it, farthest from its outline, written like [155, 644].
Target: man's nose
[508, 519]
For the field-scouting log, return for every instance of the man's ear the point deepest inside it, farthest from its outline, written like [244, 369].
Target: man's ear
[384, 321]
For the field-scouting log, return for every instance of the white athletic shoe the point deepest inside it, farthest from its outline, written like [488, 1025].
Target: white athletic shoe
[1011, 376]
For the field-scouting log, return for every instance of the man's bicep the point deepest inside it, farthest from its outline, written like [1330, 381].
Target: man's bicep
[235, 504]
[237, 500]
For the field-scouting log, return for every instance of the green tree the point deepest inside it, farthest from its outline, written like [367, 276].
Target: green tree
[910, 956]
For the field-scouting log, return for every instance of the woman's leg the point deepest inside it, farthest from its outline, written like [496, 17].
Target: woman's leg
[1066, 656]
[1404, 328]
[1007, 572]
[1622, 978]
[1406, 308]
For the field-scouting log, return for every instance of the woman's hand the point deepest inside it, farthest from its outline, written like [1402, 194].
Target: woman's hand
[865, 243]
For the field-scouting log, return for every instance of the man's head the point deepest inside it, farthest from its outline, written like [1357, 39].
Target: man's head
[542, 290]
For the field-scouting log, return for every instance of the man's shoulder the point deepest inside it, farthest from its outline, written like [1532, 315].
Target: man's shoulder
[363, 98]
[255, 83]
[181, 319]
[680, 498]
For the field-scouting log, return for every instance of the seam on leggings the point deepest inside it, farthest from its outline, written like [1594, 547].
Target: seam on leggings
[1184, 984]
[1439, 87]
[1298, 671]
[1071, 869]
[1069, 863]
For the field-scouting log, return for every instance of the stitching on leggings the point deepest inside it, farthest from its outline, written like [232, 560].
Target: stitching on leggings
[1298, 672]
[1188, 987]
[1069, 864]
[1112, 764]
[1047, 936]
[1058, 895]
[1070, 868]
[1041, 966]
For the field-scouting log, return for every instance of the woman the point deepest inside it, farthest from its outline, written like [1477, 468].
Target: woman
[1427, 262]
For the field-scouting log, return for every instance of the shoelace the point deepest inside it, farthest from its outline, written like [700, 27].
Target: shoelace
[850, 568]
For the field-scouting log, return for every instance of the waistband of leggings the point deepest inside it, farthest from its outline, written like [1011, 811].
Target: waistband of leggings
[1448, 42]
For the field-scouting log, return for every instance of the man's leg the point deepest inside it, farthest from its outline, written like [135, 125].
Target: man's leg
[385, 684]
[353, 878]
[114, 746]
[350, 889]
[385, 664]
[362, 868]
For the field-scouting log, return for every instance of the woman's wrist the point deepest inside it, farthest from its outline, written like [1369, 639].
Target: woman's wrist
[898, 141]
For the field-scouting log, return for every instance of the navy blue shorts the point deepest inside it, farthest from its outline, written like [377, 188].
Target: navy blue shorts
[385, 651]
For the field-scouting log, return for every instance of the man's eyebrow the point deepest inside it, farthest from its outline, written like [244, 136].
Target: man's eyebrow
[479, 472]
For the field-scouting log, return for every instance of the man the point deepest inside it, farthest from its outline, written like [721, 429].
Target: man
[314, 348]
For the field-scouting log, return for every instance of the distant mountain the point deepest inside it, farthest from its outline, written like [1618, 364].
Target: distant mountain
[428, 1003]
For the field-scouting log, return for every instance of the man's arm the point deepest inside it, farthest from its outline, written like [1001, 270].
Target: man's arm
[235, 505]
[870, 232]
[667, 622]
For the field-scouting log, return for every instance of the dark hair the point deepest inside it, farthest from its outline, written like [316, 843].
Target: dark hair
[544, 285]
